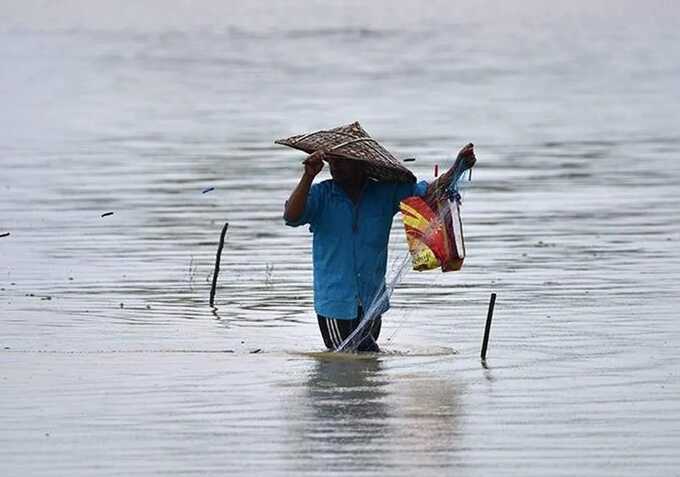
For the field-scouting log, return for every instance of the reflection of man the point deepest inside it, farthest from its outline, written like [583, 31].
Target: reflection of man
[363, 416]
[335, 387]
[350, 217]
[344, 406]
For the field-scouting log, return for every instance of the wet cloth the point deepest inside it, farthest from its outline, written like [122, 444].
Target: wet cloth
[335, 332]
[350, 243]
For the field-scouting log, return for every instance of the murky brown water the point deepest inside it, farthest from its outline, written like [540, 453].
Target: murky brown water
[112, 363]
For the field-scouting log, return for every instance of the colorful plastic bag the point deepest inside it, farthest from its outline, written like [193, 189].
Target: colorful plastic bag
[435, 239]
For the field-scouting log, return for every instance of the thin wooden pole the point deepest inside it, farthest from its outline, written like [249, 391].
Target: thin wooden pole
[217, 263]
[487, 328]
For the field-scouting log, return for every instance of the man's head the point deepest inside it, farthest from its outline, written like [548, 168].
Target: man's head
[346, 171]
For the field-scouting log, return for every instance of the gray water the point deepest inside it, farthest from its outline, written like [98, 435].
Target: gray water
[111, 360]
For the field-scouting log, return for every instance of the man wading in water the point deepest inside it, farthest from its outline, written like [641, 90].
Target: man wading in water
[350, 217]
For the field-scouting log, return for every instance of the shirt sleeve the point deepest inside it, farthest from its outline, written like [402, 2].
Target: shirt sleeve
[403, 191]
[312, 207]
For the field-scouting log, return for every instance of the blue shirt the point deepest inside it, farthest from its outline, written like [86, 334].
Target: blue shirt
[350, 243]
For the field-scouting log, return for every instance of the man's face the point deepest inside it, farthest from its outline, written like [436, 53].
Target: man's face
[346, 170]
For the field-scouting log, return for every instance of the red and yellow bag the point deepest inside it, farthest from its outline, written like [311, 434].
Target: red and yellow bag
[435, 238]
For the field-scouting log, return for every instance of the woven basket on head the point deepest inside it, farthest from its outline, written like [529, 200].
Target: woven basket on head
[352, 142]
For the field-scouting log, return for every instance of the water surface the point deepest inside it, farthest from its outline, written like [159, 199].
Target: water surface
[113, 363]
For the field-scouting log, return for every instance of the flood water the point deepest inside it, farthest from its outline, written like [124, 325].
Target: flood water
[111, 360]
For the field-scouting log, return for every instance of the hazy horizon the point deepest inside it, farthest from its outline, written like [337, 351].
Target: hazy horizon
[186, 15]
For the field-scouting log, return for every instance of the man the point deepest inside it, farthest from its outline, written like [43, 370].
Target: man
[350, 217]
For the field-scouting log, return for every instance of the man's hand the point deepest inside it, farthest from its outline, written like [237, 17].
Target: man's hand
[314, 163]
[466, 157]
[436, 191]
[295, 206]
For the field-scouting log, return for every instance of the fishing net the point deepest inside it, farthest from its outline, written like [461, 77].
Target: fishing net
[435, 238]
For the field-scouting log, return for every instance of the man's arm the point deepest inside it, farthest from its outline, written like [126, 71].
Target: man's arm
[295, 206]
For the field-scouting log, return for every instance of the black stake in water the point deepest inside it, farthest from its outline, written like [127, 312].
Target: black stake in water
[487, 328]
[217, 263]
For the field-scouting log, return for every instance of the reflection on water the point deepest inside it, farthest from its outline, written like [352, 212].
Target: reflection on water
[350, 391]
[345, 411]
[354, 413]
